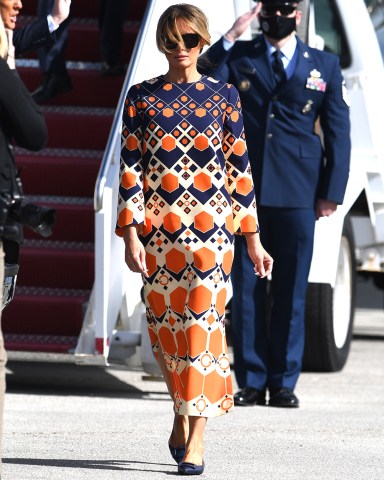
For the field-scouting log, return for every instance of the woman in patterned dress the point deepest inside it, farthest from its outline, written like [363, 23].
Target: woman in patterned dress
[185, 190]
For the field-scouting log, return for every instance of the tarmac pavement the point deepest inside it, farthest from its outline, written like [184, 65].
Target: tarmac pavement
[64, 421]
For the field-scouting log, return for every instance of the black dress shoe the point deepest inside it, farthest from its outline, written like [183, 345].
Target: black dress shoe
[112, 69]
[187, 468]
[53, 85]
[249, 396]
[283, 397]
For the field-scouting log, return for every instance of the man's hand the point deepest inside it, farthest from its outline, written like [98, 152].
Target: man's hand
[325, 208]
[60, 11]
[242, 23]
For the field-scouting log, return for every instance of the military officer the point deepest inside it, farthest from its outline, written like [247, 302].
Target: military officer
[284, 86]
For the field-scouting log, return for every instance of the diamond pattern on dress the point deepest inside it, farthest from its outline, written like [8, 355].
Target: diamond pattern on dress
[184, 153]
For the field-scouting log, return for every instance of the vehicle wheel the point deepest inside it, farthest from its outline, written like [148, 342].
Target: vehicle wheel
[330, 312]
[378, 279]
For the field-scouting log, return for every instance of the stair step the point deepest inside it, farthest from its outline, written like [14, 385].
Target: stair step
[55, 264]
[104, 91]
[56, 275]
[78, 127]
[40, 343]
[84, 40]
[59, 171]
[45, 311]
[74, 220]
[89, 8]
[84, 8]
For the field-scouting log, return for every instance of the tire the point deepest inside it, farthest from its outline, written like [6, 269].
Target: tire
[378, 279]
[330, 313]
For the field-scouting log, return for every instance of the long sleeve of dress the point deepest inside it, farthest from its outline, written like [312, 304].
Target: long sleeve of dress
[239, 184]
[21, 119]
[130, 208]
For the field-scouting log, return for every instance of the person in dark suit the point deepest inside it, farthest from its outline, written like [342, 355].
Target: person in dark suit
[39, 33]
[20, 122]
[111, 21]
[284, 86]
[56, 79]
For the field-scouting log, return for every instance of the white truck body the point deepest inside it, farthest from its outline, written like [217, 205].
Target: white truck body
[364, 80]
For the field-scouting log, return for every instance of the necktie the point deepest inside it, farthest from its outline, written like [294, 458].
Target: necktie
[278, 67]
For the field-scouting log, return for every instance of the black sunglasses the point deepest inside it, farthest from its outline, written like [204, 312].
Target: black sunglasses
[271, 10]
[190, 40]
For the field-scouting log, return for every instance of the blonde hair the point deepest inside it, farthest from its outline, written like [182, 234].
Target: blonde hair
[3, 40]
[167, 25]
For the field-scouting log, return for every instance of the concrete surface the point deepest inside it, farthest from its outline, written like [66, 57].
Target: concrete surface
[73, 422]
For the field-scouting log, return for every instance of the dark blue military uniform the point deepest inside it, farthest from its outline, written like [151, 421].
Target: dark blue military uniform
[291, 171]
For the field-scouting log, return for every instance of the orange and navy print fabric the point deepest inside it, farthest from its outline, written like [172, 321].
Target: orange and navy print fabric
[185, 176]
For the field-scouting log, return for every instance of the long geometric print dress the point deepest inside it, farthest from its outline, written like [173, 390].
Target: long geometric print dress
[185, 176]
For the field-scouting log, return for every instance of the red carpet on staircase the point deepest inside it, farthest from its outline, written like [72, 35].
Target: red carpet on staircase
[56, 274]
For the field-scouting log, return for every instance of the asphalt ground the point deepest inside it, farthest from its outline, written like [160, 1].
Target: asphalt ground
[64, 421]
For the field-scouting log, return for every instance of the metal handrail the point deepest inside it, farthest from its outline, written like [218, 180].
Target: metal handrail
[114, 133]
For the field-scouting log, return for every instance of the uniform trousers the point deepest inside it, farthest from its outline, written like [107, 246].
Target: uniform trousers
[268, 330]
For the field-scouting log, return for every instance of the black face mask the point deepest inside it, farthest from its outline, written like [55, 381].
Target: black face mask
[277, 27]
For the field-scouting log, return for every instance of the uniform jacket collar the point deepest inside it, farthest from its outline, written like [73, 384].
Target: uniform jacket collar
[261, 62]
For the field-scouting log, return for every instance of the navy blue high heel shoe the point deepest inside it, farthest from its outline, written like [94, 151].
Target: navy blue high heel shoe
[177, 453]
[187, 468]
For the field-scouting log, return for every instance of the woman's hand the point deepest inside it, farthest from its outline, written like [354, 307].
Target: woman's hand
[11, 49]
[262, 260]
[134, 250]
